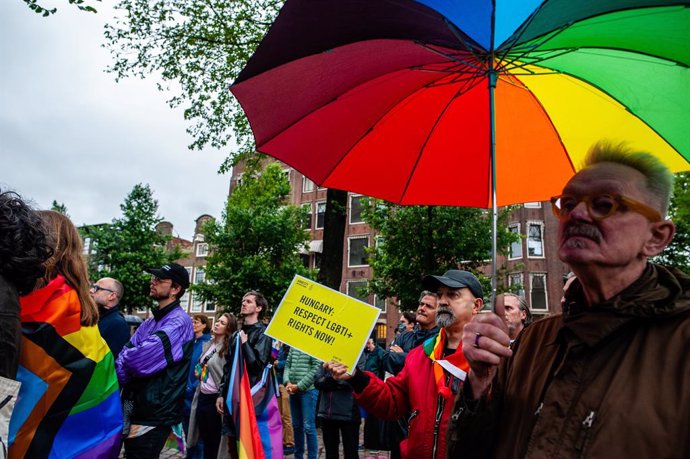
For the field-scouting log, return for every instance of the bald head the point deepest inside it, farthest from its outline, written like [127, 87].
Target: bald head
[107, 292]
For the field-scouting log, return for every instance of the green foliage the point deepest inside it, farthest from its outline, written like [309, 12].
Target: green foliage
[419, 240]
[59, 207]
[130, 244]
[45, 12]
[677, 254]
[255, 246]
[198, 48]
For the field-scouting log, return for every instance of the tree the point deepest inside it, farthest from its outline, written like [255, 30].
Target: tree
[255, 245]
[45, 12]
[130, 244]
[677, 253]
[199, 48]
[59, 207]
[415, 241]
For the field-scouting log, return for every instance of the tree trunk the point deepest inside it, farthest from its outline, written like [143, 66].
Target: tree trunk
[331, 271]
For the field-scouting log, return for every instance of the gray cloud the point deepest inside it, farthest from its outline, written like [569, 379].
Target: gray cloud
[68, 132]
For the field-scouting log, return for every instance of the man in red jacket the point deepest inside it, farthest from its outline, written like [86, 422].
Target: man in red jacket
[432, 374]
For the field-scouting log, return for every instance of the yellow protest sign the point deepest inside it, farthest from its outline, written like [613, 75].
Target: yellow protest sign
[323, 322]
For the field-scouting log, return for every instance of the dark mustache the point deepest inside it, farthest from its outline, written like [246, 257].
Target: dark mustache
[442, 310]
[582, 230]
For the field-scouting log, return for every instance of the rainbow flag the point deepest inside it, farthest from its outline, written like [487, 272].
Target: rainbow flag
[69, 402]
[241, 408]
[264, 396]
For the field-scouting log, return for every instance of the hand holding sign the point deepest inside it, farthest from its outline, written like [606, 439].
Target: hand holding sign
[322, 322]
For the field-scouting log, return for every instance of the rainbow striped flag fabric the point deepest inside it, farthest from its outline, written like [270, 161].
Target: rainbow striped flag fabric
[69, 402]
[254, 411]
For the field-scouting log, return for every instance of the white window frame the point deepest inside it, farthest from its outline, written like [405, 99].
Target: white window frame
[197, 270]
[311, 214]
[358, 281]
[532, 205]
[528, 226]
[286, 173]
[349, 245]
[531, 292]
[184, 300]
[202, 249]
[316, 214]
[307, 185]
[196, 306]
[349, 210]
[511, 256]
[511, 281]
[209, 307]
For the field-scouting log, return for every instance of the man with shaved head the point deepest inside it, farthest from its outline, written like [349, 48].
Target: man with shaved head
[107, 293]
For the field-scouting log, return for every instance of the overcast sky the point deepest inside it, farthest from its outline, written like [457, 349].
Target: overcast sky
[69, 132]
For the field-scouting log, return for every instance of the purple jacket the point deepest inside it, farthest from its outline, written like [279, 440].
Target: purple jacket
[153, 367]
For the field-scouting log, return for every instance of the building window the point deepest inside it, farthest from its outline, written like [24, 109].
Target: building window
[184, 301]
[381, 331]
[209, 307]
[317, 261]
[307, 185]
[515, 247]
[306, 222]
[196, 303]
[202, 249]
[532, 205]
[286, 174]
[517, 284]
[356, 209]
[358, 289]
[320, 214]
[87, 246]
[535, 239]
[380, 302]
[357, 251]
[199, 276]
[305, 259]
[538, 292]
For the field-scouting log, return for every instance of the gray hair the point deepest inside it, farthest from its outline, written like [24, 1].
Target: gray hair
[659, 179]
[522, 304]
[426, 293]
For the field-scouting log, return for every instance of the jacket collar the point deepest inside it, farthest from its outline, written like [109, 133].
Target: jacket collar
[657, 293]
[158, 314]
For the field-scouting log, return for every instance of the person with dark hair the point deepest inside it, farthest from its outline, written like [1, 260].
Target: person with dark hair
[408, 321]
[200, 325]
[70, 396]
[107, 293]
[154, 365]
[23, 250]
[257, 350]
[611, 377]
[205, 422]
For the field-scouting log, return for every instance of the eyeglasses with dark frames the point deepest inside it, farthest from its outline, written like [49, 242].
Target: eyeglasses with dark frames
[601, 206]
[158, 280]
[96, 288]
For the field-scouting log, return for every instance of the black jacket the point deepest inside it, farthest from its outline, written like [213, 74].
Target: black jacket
[256, 351]
[393, 362]
[336, 402]
[113, 328]
[10, 329]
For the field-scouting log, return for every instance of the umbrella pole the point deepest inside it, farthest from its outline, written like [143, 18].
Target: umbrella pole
[494, 208]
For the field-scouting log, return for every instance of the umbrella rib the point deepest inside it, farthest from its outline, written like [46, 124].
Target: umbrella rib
[453, 57]
[426, 141]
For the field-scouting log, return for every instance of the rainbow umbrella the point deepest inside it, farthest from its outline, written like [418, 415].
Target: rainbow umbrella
[479, 103]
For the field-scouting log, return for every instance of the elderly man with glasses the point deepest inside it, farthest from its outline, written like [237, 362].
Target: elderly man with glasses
[609, 376]
[153, 367]
[107, 293]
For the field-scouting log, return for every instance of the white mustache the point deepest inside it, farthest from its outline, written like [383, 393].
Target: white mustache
[588, 231]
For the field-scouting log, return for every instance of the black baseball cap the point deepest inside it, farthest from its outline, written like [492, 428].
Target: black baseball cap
[454, 278]
[177, 273]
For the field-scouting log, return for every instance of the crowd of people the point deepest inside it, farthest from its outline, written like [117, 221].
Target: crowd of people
[605, 377]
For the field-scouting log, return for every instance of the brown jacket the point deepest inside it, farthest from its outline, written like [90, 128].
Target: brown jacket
[611, 381]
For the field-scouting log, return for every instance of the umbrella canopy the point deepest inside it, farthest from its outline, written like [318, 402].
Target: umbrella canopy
[447, 102]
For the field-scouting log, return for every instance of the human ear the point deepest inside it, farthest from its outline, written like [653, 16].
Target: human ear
[478, 305]
[661, 234]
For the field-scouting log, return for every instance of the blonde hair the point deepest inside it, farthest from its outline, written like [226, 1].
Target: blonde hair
[659, 179]
[67, 261]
